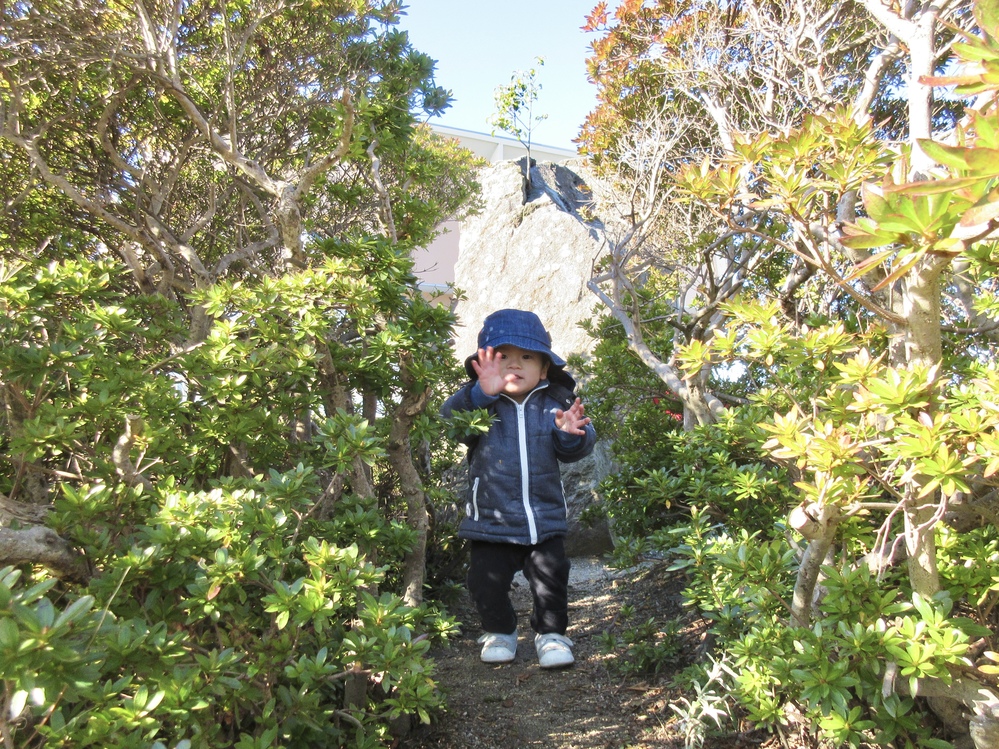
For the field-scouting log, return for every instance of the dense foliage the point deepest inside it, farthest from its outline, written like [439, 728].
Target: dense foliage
[663, 472]
[235, 587]
[806, 264]
[215, 465]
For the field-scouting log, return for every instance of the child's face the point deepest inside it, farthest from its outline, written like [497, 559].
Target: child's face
[527, 367]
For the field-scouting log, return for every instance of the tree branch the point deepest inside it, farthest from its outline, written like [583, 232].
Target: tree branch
[41, 545]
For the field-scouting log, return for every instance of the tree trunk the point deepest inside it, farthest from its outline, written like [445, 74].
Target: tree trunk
[978, 698]
[401, 457]
[921, 307]
[818, 524]
[19, 512]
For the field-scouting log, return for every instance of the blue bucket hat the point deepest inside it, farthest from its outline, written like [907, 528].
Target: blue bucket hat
[518, 328]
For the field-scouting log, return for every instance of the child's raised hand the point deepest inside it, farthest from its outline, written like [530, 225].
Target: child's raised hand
[573, 420]
[491, 379]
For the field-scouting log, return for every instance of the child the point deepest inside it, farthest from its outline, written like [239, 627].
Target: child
[516, 516]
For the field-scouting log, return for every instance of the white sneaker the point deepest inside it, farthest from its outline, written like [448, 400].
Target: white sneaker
[554, 650]
[498, 648]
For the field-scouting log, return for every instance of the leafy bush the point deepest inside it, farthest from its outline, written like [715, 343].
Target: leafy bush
[866, 332]
[834, 672]
[641, 648]
[664, 471]
[240, 594]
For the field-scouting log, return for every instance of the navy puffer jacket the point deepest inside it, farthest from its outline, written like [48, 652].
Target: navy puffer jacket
[515, 483]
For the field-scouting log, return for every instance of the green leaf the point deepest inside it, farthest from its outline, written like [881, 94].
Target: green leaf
[987, 14]
[17, 702]
[874, 202]
[9, 633]
[937, 186]
[867, 265]
[74, 611]
[931, 743]
[956, 157]
[899, 271]
[985, 161]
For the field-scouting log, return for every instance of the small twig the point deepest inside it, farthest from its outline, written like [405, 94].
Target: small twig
[185, 350]
[348, 717]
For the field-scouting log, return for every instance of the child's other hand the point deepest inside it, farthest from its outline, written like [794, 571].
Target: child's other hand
[573, 420]
[491, 379]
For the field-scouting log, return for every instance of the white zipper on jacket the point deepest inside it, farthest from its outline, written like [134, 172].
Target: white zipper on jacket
[525, 468]
[525, 473]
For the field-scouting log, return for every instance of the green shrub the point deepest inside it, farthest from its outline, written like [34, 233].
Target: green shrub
[663, 471]
[642, 648]
[835, 671]
[241, 595]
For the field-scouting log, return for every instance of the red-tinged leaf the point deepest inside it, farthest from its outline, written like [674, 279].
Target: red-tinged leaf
[597, 17]
[900, 271]
[980, 214]
[862, 227]
[860, 237]
[865, 266]
[213, 591]
[948, 80]
[874, 202]
[627, 8]
[935, 186]
[984, 160]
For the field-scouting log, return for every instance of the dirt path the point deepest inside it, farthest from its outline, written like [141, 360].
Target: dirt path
[588, 706]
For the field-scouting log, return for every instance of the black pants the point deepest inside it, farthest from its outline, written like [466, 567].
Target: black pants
[490, 574]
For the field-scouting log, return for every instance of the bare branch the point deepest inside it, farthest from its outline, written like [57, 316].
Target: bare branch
[121, 454]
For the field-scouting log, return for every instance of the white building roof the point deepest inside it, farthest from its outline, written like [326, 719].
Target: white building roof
[501, 148]
[435, 264]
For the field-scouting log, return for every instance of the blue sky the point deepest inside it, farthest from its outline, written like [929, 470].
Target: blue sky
[478, 45]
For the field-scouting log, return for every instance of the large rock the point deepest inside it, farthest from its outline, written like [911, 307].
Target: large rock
[528, 251]
[534, 249]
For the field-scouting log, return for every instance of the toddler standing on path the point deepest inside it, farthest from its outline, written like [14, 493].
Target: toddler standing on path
[515, 518]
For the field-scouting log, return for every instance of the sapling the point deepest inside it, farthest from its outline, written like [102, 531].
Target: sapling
[515, 109]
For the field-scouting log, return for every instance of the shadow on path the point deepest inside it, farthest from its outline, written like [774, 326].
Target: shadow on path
[587, 706]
